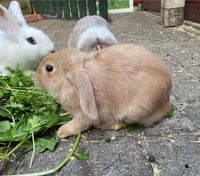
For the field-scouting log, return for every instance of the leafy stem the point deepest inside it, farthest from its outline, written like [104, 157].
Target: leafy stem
[8, 88]
[60, 165]
[13, 150]
[9, 113]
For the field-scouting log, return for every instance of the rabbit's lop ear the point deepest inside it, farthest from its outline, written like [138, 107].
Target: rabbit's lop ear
[8, 24]
[15, 9]
[85, 92]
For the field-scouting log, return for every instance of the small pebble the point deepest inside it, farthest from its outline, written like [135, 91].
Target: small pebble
[152, 158]
[113, 137]
[108, 139]
[186, 166]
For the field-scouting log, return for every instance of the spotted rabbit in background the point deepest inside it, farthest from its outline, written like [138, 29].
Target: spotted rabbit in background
[91, 33]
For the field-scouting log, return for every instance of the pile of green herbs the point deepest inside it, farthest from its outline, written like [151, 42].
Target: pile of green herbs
[28, 116]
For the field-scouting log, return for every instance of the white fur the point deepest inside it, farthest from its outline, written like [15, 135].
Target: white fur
[91, 33]
[95, 32]
[15, 10]
[15, 50]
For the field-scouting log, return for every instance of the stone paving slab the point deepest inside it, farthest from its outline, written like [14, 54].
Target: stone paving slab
[168, 148]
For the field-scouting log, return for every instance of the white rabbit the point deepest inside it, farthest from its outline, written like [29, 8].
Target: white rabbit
[20, 45]
[91, 33]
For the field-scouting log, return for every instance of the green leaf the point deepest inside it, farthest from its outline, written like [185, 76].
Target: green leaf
[133, 127]
[13, 81]
[1, 94]
[52, 119]
[170, 112]
[79, 155]
[4, 112]
[34, 121]
[16, 105]
[18, 132]
[45, 143]
[4, 126]
[2, 152]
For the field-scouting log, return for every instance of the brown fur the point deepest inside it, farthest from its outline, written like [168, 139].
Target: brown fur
[1, 13]
[116, 86]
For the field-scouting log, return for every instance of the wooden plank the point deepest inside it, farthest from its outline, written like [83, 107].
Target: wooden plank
[103, 9]
[37, 6]
[192, 11]
[82, 8]
[153, 5]
[192, 1]
[32, 4]
[70, 8]
[74, 9]
[58, 9]
[92, 7]
[52, 8]
[45, 6]
[65, 7]
[41, 6]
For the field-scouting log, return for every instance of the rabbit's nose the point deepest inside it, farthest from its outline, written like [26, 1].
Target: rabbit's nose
[52, 51]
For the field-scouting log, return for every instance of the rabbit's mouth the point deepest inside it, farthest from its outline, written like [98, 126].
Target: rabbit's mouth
[38, 82]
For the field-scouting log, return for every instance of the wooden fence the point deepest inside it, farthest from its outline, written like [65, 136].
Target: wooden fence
[70, 8]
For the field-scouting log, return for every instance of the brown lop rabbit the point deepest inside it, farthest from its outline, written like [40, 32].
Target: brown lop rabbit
[107, 89]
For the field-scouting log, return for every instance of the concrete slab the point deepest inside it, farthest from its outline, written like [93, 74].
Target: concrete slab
[170, 147]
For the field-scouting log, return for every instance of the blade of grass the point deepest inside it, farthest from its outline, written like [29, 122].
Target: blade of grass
[12, 151]
[33, 152]
[59, 166]
[3, 162]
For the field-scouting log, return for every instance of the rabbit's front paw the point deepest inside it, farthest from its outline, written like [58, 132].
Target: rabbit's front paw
[66, 130]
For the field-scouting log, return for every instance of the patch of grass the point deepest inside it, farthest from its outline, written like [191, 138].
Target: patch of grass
[133, 127]
[118, 4]
[80, 155]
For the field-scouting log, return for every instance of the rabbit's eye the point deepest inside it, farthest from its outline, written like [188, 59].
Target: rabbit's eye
[31, 40]
[49, 68]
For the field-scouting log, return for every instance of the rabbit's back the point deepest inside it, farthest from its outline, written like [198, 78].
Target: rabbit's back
[130, 81]
[89, 32]
[90, 21]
